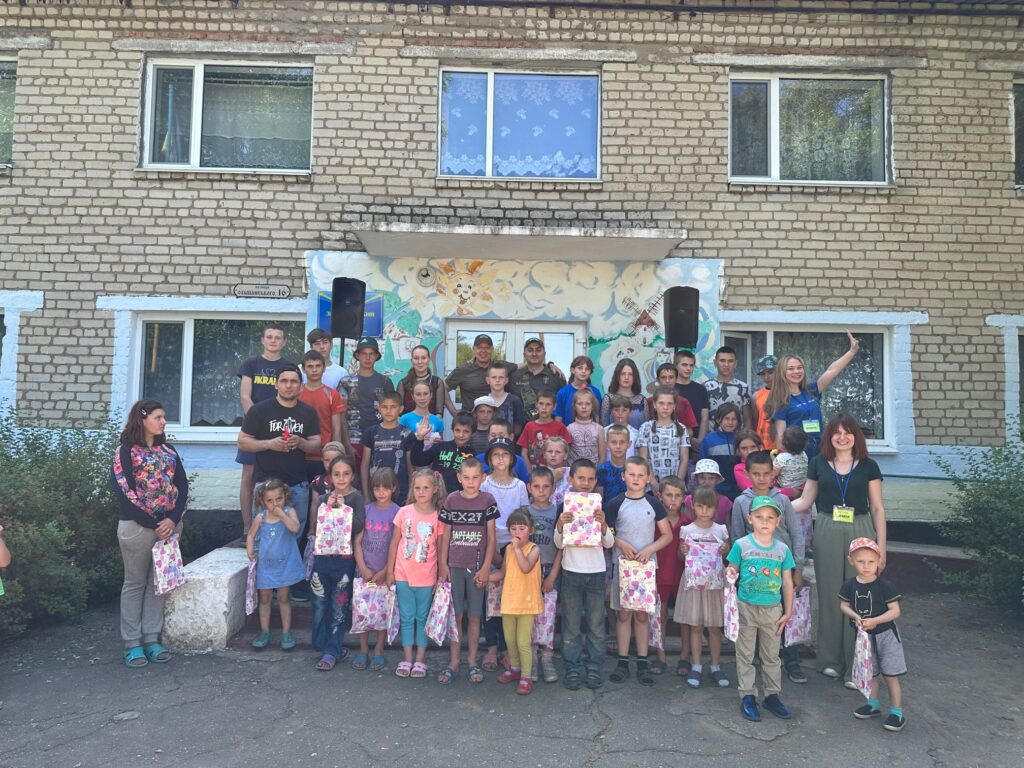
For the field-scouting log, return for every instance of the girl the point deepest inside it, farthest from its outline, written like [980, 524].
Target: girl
[706, 474]
[701, 607]
[556, 458]
[746, 443]
[331, 582]
[421, 396]
[719, 445]
[670, 569]
[587, 435]
[581, 369]
[439, 400]
[412, 565]
[520, 600]
[663, 441]
[626, 382]
[278, 564]
[791, 463]
[371, 551]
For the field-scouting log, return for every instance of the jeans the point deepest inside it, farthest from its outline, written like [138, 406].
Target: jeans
[300, 500]
[331, 585]
[583, 594]
[413, 607]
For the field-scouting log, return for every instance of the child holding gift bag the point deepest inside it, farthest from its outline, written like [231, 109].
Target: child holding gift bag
[641, 530]
[278, 564]
[670, 568]
[699, 601]
[545, 517]
[413, 565]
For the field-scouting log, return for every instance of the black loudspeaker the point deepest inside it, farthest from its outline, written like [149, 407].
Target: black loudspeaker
[682, 313]
[347, 298]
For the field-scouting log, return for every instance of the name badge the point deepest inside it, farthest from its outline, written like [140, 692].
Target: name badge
[812, 426]
[842, 514]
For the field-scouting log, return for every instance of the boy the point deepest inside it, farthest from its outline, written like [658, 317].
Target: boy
[641, 530]
[695, 394]
[363, 392]
[663, 440]
[667, 377]
[764, 566]
[545, 517]
[447, 456]
[387, 445]
[484, 409]
[329, 407]
[620, 408]
[582, 590]
[531, 441]
[873, 604]
[508, 406]
[320, 341]
[580, 371]
[465, 554]
[706, 472]
[500, 428]
[726, 388]
[789, 532]
[609, 473]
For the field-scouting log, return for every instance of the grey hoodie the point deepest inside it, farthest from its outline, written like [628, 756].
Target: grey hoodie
[788, 532]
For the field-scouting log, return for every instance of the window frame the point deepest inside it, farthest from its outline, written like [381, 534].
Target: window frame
[195, 129]
[1017, 82]
[9, 163]
[489, 139]
[772, 79]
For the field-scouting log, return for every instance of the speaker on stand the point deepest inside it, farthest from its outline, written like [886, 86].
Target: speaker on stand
[682, 316]
[348, 296]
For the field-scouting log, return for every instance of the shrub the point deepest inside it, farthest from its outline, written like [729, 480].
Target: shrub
[987, 519]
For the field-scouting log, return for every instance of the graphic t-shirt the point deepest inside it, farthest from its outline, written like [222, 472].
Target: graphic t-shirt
[609, 480]
[663, 443]
[468, 519]
[584, 441]
[870, 600]
[543, 535]
[735, 391]
[268, 420]
[363, 395]
[377, 532]
[534, 434]
[419, 534]
[760, 570]
[445, 457]
[263, 373]
[387, 448]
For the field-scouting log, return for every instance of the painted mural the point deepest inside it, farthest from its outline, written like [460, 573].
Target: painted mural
[621, 302]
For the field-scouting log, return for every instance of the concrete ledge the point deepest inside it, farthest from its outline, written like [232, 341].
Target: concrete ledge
[26, 43]
[268, 48]
[457, 52]
[204, 613]
[801, 61]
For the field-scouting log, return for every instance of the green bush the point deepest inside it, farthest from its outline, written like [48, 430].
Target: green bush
[60, 523]
[987, 520]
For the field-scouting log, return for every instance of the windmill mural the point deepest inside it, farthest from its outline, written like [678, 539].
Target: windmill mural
[645, 325]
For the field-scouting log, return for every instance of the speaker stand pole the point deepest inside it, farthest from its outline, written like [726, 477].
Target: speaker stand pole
[341, 352]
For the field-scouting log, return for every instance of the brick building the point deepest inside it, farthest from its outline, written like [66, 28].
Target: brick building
[514, 170]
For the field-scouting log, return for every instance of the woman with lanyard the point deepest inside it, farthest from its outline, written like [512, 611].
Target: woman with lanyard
[794, 402]
[847, 486]
[420, 373]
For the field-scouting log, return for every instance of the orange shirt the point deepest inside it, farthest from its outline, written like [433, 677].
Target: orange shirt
[326, 402]
[764, 423]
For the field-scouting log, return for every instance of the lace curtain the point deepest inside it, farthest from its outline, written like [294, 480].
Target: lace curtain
[8, 72]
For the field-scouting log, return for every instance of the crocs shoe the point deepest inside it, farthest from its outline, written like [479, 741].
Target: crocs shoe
[261, 641]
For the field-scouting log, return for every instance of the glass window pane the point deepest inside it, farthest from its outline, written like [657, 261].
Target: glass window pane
[1018, 129]
[832, 130]
[161, 366]
[8, 71]
[463, 124]
[749, 131]
[257, 117]
[545, 126]
[218, 348]
[172, 116]
[464, 344]
[859, 389]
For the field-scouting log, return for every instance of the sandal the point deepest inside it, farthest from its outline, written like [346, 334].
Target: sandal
[287, 641]
[658, 667]
[419, 669]
[359, 662]
[135, 658]
[490, 663]
[620, 674]
[326, 663]
[157, 654]
[403, 669]
[377, 663]
[683, 668]
[720, 679]
[476, 675]
[643, 676]
[693, 679]
[447, 675]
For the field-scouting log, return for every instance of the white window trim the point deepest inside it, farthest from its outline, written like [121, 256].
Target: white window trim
[1013, 327]
[772, 79]
[130, 312]
[488, 154]
[7, 164]
[12, 305]
[897, 383]
[195, 131]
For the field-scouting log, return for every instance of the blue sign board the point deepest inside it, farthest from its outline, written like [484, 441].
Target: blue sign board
[373, 313]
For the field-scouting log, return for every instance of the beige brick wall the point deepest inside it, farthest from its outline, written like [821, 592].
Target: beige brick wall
[80, 220]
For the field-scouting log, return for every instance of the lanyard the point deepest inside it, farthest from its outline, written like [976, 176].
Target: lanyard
[839, 482]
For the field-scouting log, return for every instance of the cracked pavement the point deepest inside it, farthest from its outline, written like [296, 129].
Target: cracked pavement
[67, 700]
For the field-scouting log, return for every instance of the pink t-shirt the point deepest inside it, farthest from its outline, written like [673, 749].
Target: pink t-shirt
[418, 539]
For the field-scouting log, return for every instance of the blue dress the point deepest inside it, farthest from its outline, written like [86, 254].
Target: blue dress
[279, 563]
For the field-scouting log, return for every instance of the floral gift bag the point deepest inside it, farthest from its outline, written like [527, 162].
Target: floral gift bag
[334, 530]
[732, 608]
[637, 585]
[250, 589]
[544, 622]
[584, 530]
[798, 628]
[657, 640]
[863, 663]
[394, 617]
[168, 569]
[370, 605]
[494, 599]
[437, 618]
[703, 566]
[307, 557]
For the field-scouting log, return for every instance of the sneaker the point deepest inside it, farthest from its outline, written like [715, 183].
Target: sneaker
[547, 667]
[287, 641]
[748, 706]
[796, 674]
[849, 684]
[572, 680]
[594, 681]
[525, 686]
[866, 712]
[510, 676]
[774, 705]
[830, 672]
[535, 668]
[894, 723]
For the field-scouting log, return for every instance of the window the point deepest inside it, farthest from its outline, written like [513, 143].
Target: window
[808, 129]
[8, 70]
[229, 117]
[1018, 131]
[519, 125]
[191, 365]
